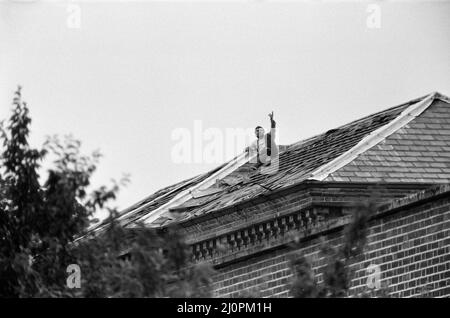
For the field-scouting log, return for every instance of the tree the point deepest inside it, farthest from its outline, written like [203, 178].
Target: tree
[22, 202]
[45, 227]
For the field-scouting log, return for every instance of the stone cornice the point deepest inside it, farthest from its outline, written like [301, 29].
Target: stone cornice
[305, 185]
[278, 230]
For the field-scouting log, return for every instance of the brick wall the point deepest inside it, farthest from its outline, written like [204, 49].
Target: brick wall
[409, 240]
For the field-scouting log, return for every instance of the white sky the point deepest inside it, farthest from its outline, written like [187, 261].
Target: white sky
[135, 71]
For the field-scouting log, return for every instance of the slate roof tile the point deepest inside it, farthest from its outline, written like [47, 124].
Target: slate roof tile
[420, 143]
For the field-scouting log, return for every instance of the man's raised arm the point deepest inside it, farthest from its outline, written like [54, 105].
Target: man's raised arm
[272, 126]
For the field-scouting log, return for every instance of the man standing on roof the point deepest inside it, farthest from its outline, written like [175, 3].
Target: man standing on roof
[264, 148]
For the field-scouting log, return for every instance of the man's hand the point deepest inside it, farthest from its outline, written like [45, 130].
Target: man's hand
[272, 122]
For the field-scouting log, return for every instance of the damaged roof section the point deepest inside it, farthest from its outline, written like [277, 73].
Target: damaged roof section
[159, 198]
[298, 162]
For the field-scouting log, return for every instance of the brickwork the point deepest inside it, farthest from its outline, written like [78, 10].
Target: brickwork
[244, 227]
[410, 243]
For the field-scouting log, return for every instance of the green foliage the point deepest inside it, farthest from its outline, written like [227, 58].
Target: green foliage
[39, 225]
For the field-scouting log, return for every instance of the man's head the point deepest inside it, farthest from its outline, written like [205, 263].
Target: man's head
[259, 132]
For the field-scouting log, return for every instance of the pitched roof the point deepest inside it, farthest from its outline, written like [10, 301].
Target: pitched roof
[418, 151]
[318, 157]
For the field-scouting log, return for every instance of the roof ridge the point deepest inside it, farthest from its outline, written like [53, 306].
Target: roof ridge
[441, 96]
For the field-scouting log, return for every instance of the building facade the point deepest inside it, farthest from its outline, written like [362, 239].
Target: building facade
[243, 221]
